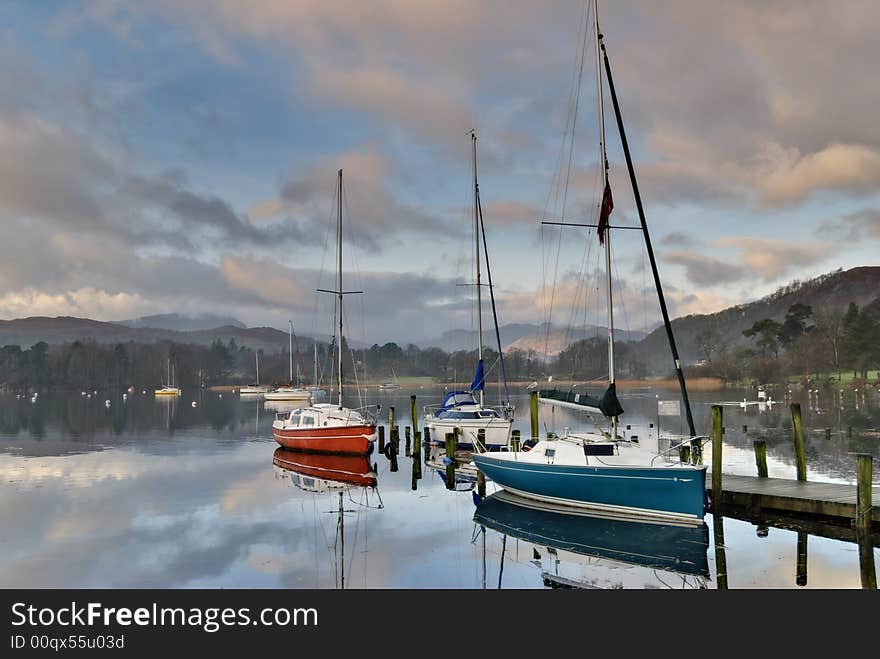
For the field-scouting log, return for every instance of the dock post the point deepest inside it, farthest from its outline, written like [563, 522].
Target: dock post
[414, 413]
[533, 414]
[426, 433]
[450, 453]
[406, 433]
[684, 454]
[761, 457]
[827, 433]
[391, 417]
[481, 483]
[864, 505]
[395, 439]
[515, 439]
[481, 439]
[417, 454]
[720, 552]
[866, 559]
[717, 430]
[801, 578]
[381, 439]
[797, 431]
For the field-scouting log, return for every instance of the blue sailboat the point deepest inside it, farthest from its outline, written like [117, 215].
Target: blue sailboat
[601, 470]
[478, 425]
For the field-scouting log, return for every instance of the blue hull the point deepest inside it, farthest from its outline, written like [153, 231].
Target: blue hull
[663, 492]
[676, 548]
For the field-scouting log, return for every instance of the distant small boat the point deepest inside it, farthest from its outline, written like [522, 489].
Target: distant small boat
[168, 389]
[289, 393]
[254, 389]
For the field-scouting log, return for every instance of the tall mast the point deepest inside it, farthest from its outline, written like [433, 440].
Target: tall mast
[339, 288]
[607, 237]
[257, 357]
[290, 349]
[315, 346]
[477, 259]
[635, 186]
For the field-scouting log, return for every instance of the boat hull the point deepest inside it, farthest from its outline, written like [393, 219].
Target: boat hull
[340, 469]
[349, 440]
[663, 493]
[497, 431]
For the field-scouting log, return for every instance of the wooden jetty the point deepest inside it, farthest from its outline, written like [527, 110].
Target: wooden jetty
[757, 494]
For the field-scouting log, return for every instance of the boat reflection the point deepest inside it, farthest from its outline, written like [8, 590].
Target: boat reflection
[577, 550]
[318, 472]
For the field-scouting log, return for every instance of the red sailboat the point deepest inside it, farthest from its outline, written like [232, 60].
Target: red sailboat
[321, 472]
[325, 427]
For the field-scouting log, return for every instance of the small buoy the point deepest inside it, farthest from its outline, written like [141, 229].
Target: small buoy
[219, 395]
[95, 392]
[106, 403]
[144, 391]
[195, 404]
[88, 395]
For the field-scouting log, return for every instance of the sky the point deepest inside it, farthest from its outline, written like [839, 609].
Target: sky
[160, 156]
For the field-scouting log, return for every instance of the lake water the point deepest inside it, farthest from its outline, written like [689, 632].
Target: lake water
[157, 493]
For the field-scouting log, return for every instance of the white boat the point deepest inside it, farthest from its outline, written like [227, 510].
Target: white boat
[325, 427]
[290, 392]
[462, 410]
[168, 389]
[601, 470]
[254, 390]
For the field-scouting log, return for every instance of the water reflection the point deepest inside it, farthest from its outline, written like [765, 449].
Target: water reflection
[577, 550]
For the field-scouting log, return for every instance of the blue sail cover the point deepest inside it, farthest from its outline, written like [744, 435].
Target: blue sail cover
[479, 379]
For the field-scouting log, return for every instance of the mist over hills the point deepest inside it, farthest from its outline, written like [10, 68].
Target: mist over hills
[182, 323]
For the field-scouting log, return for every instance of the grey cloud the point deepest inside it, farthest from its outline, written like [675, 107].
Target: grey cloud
[853, 226]
[706, 271]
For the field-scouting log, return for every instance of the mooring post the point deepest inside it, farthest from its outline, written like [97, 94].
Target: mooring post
[381, 439]
[414, 413]
[426, 433]
[801, 577]
[515, 439]
[717, 430]
[450, 454]
[391, 416]
[797, 431]
[867, 570]
[684, 453]
[406, 433]
[481, 483]
[417, 454]
[533, 414]
[720, 552]
[481, 439]
[864, 505]
[414, 483]
[761, 457]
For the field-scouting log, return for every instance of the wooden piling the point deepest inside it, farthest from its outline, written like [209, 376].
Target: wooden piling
[827, 433]
[417, 454]
[801, 576]
[414, 413]
[381, 439]
[395, 439]
[426, 433]
[717, 425]
[720, 552]
[797, 432]
[867, 570]
[684, 453]
[407, 444]
[515, 440]
[864, 505]
[481, 483]
[533, 414]
[761, 457]
[450, 453]
[481, 439]
[391, 416]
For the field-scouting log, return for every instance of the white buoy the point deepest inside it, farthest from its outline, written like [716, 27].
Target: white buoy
[219, 395]
[195, 404]
[88, 395]
[106, 403]
[144, 391]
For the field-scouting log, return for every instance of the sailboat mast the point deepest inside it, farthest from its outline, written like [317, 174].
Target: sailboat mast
[607, 237]
[257, 357]
[477, 259]
[339, 288]
[290, 349]
[638, 198]
[315, 346]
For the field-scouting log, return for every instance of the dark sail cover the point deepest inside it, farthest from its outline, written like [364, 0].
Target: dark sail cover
[608, 404]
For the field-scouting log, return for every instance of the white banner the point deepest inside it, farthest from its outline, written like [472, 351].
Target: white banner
[668, 408]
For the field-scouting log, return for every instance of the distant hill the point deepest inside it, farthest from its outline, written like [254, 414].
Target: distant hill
[181, 323]
[829, 292]
[64, 329]
[524, 336]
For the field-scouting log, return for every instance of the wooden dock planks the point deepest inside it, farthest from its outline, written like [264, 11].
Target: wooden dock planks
[780, 494]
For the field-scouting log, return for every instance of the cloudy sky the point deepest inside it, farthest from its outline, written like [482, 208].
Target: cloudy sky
[168, 156]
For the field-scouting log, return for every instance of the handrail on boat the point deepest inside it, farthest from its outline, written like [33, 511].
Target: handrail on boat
[689, 441]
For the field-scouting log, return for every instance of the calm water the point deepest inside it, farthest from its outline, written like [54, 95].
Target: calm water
[152, 493]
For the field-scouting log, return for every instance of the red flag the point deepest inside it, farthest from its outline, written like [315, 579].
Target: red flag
[605, 212]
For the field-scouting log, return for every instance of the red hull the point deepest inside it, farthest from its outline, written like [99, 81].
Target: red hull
[354, 469]
[352, 440]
